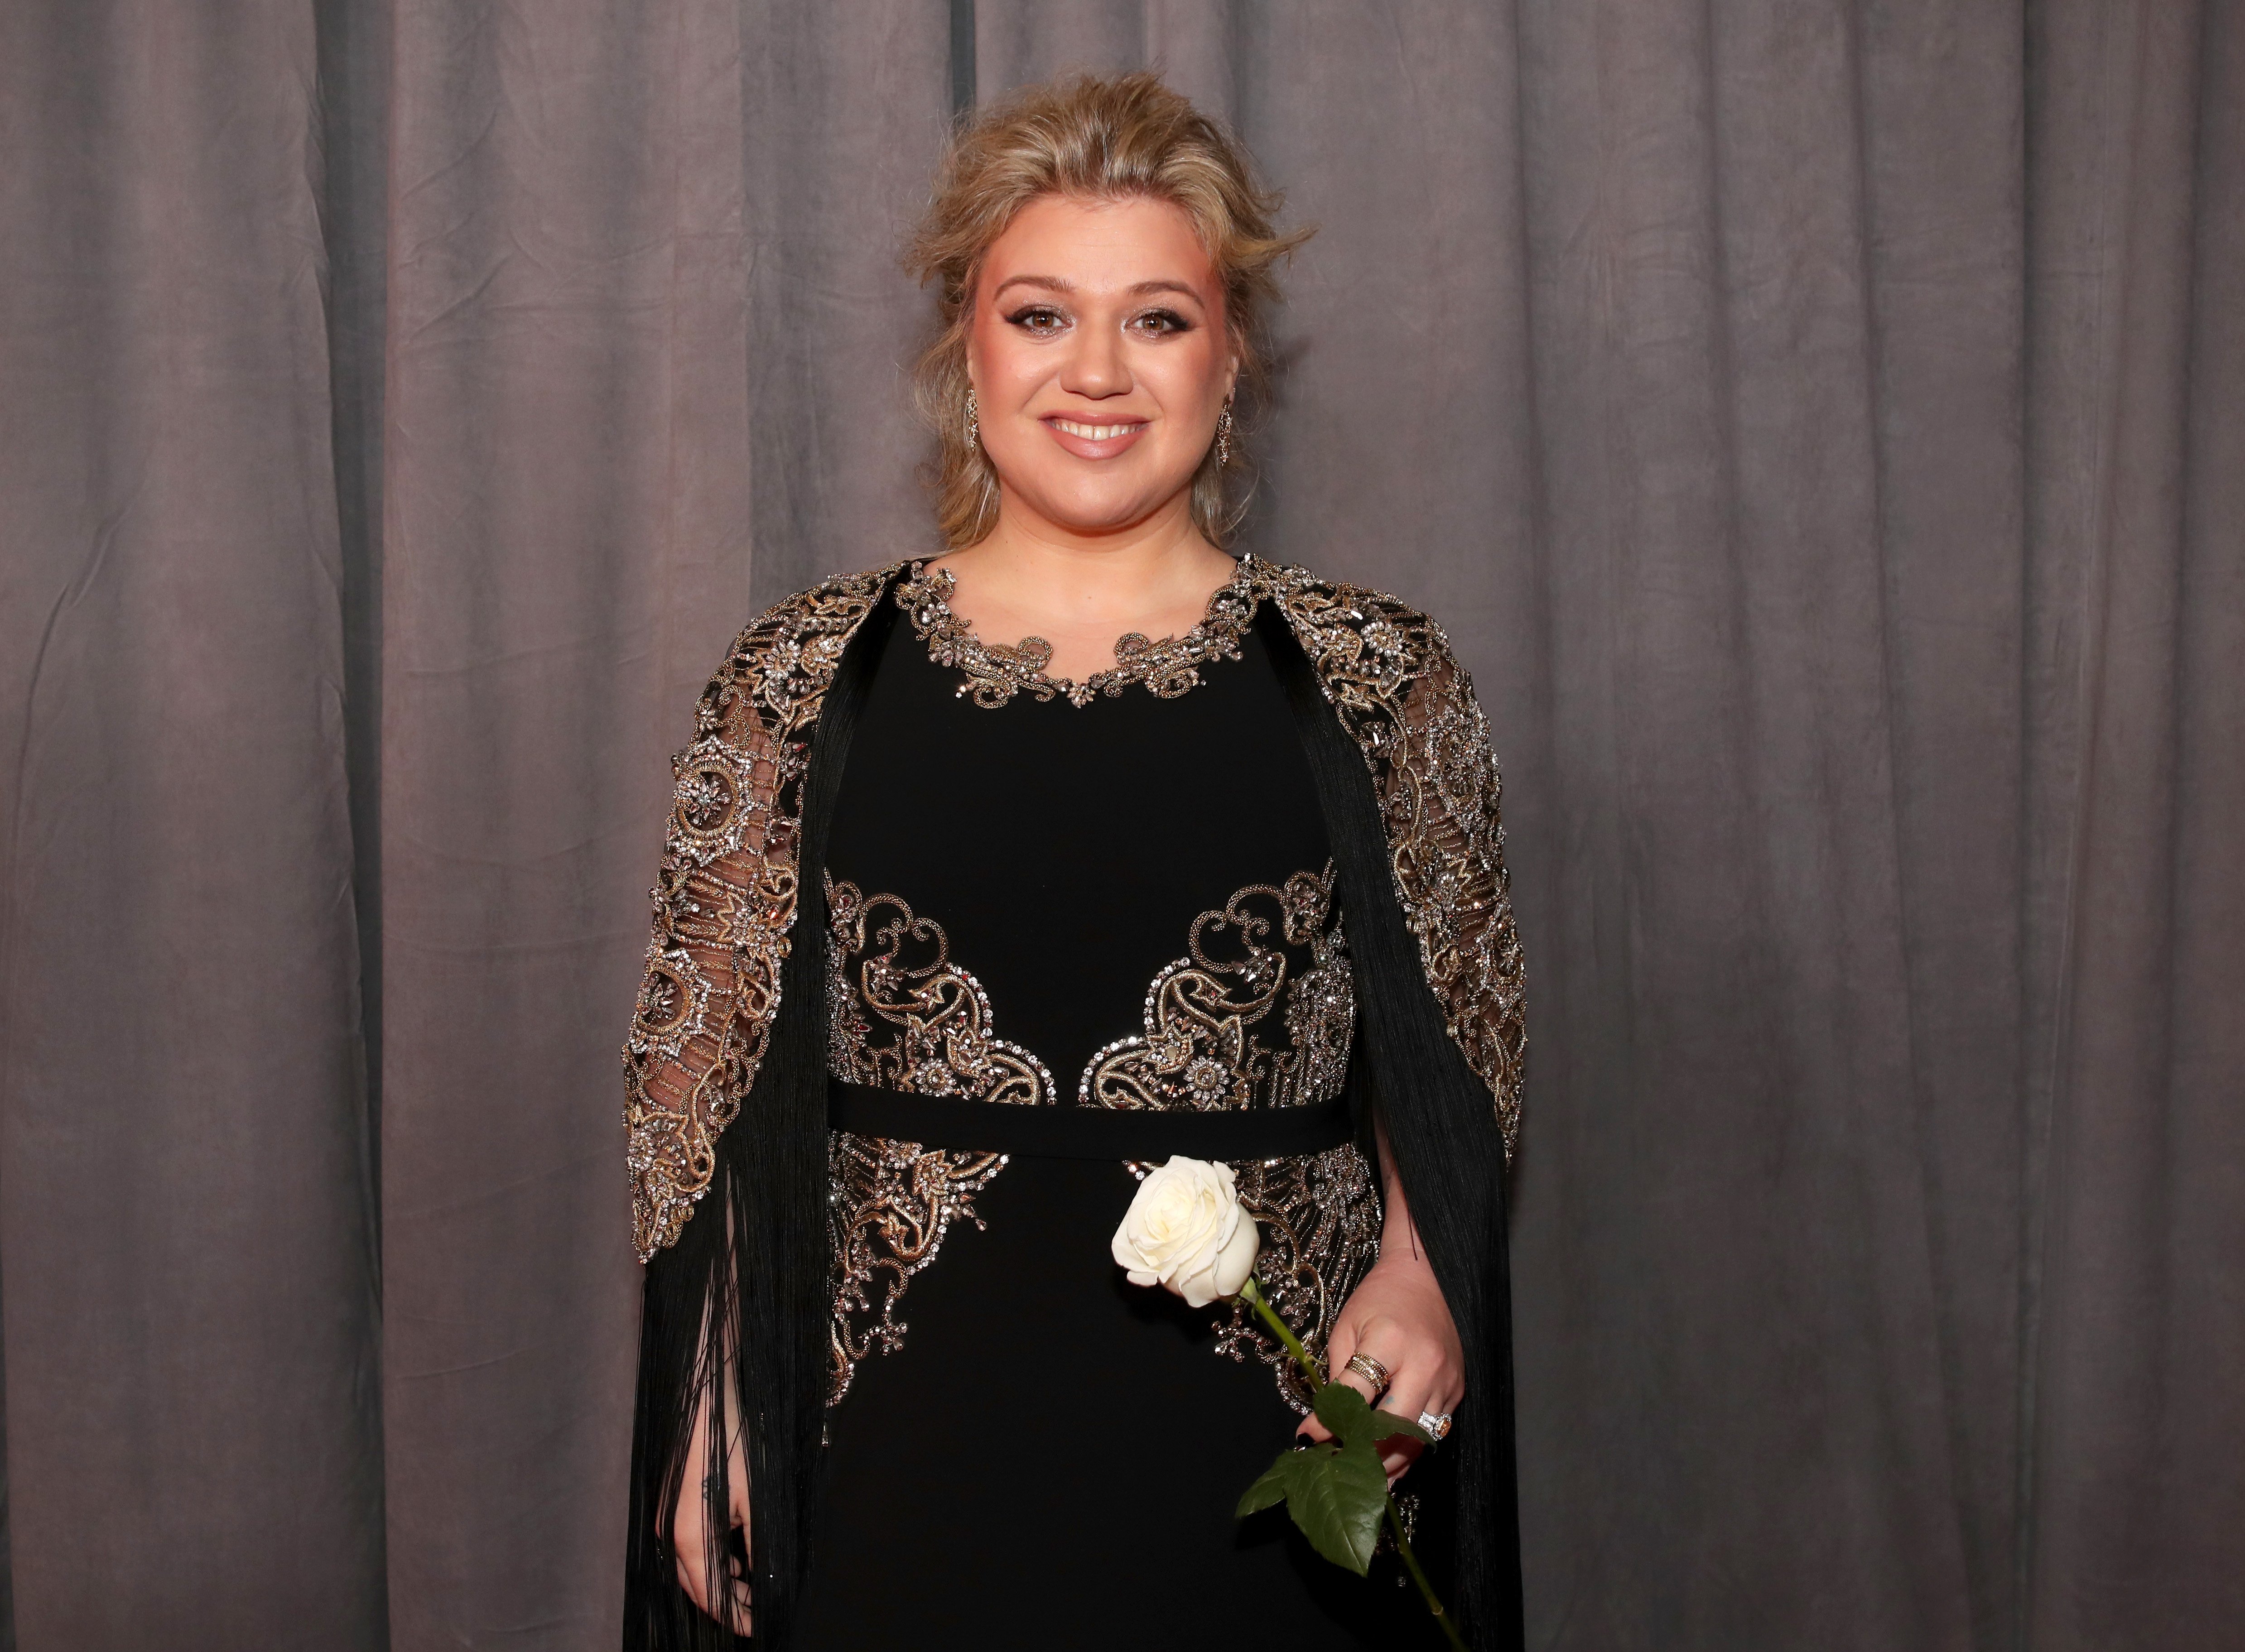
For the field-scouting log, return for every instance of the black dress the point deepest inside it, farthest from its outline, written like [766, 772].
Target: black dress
[1116, 894]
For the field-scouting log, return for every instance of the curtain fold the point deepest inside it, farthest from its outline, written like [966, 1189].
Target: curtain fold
[1821, 428]
[185, 1216]
[564, 547]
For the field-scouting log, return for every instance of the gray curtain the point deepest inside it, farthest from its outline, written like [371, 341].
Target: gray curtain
[1821, 427]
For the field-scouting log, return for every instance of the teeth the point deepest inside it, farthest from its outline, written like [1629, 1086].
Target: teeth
[1093, 432]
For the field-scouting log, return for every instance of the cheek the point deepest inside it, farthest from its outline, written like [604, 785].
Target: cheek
[1185, 373]
[1004, 364]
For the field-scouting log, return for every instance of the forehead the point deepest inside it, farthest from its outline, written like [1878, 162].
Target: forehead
[1096, 245]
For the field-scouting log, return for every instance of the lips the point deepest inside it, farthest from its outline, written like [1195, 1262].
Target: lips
[1089, 439]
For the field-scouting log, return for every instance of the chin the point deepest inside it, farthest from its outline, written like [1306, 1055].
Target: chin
[1097, 509]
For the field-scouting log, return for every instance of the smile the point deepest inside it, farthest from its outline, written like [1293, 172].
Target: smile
[1096, 432]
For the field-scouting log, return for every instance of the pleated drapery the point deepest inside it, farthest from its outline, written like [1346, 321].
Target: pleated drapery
[1821, 428]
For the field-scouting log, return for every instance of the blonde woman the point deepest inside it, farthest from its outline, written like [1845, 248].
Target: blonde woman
[999, 875]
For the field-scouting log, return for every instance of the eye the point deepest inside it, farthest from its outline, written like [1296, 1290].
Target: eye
[1159, 323]
[1038, 320]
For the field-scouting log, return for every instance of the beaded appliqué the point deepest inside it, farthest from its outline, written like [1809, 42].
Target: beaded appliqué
[902, 1015]
[1319, 1213]
[724, 899]
[1320, 1216]
[1388, 672]
[994, 672]
[1200, 1048]
[890, 1205]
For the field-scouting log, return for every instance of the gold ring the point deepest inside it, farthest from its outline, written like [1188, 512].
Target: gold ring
[1437, 1425]
[1371, 1370]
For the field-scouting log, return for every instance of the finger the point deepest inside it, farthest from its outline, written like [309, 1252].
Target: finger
[1357, 1380]
[1339, 1346]
[1439, 1403]
[1408, 1399]
[738, 1567]
[1382, 1342]
[736, 1465]
[717, 1583]
[689, 1544]
[689, 1528]
[743, 1567]
[736, 1607]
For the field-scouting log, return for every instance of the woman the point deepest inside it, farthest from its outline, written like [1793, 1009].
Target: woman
[954, 934]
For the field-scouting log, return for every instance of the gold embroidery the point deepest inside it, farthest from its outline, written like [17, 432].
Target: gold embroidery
[1200, 1049]
[902, 1016]
[912, 1019]
[1319, 1216]
[890, 1206]
[1319, 1213]
[725, 898]
[725, 894]
[996, 672]
[1389, 673]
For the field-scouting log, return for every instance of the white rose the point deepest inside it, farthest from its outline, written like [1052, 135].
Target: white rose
[1185, 1231]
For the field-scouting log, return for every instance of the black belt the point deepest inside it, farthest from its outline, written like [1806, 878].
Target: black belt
[1071, 1132]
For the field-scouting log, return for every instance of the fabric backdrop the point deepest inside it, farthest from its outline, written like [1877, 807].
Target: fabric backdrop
[1820, 425]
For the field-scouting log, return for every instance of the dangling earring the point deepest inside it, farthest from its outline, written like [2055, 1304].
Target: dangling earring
[974, 427]
[1224, 436]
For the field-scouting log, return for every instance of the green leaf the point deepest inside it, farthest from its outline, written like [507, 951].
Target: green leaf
[1344, 1410]
[1276, 1482]
[1388, 1425]
[1337, 1496]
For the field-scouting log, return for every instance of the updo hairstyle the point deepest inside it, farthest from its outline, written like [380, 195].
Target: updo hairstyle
[1098, 138]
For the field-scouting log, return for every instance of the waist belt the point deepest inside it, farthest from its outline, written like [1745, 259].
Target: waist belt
[1071, 1132]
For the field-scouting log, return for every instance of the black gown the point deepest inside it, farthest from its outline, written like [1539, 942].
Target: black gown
[1124, 903]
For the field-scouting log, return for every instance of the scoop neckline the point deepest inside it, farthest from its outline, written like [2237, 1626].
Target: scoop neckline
[995, 672]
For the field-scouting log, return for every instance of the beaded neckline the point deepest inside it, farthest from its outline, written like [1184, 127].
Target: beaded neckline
[994, 672]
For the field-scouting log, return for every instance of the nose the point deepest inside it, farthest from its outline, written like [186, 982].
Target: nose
[1095, 368]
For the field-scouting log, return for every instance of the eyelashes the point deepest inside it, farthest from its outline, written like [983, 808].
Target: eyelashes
[1043, 320]
[1040, 320]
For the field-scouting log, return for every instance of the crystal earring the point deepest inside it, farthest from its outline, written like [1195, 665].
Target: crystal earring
[974, 427]
[1224, 436]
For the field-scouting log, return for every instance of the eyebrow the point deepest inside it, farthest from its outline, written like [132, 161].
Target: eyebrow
[1055, 284]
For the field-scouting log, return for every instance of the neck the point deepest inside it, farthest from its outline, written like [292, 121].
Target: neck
[1080, 591]
[1118, 573]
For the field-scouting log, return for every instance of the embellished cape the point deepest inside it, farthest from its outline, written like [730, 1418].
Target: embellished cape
[730, 1020]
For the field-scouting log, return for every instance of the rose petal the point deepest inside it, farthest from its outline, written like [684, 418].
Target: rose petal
[1186, 1230]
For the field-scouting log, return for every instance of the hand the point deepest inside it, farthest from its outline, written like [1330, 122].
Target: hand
[1398, 1316]
[689, 1525]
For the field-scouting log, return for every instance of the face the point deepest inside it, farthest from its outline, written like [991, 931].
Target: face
[1099, 358]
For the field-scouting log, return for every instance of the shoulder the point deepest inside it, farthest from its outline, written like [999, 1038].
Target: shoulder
[783, 659]
[835, 603]
[1356, 634]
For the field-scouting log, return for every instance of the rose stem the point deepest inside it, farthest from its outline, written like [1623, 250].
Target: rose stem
[1249, 1294]
[1411, 1565]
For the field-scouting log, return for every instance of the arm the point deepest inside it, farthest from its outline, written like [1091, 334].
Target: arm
[687, 1064]
[685, 1076]
[1398, 1316]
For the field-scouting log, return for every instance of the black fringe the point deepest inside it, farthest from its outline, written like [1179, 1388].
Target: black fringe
[1448, 1150]
[758, 1281]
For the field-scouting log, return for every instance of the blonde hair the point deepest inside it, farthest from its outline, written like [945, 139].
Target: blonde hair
[1101, 138]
